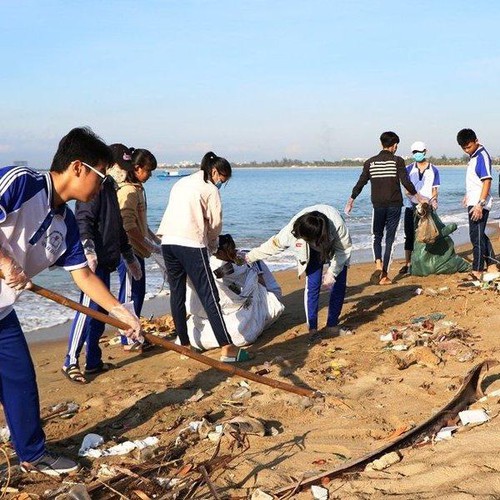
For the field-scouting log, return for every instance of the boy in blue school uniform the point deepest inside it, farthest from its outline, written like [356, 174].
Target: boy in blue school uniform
[38, 230]
[478, 201]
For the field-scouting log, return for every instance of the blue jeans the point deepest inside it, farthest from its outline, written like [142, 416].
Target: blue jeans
[385, 218]
[314, 274]
[19, 392]
[481, 244]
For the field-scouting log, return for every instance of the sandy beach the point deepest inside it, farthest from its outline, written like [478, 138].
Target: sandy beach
[372, 394]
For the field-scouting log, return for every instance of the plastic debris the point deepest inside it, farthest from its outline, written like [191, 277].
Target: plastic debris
[242, 393]
[4, 434]
[90, 441]
[258, 494]
[384, 461]
[78, 492]
[121, 449]
[473, 417]
[196, 396]
[319, 493]
[446, 433]
[247, 425]
[399, 347]
[419, 291]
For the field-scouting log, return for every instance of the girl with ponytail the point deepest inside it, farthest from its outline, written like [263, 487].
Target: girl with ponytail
[189, 231]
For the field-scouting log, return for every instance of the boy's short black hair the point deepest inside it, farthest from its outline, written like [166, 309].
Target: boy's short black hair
[388, 139]
[465, 136]
[82, 144]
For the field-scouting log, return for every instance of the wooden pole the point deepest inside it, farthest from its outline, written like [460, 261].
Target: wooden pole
[186, 351]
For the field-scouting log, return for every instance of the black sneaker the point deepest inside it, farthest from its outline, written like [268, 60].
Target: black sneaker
[51, 465]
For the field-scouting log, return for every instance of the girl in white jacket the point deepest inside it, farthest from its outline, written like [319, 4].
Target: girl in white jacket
[318, 235]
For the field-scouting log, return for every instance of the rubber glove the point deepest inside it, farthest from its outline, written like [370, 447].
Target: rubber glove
[90, 254]
[152, 246]
[125, 312]
[328, 280]
[14, 275]
[134, 268]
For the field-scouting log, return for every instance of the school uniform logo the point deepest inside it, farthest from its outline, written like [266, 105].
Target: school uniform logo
[53, 241]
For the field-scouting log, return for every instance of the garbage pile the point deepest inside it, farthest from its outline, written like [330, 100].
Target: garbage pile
[428, 340]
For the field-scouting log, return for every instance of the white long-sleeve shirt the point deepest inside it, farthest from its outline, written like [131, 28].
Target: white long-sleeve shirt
[193, 217]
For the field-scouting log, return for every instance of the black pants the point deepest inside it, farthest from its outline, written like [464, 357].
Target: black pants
[481, 244]
[186, 262]
[409, 228]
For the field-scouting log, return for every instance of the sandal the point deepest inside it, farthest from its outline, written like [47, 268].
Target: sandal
[74, 374]
[241, 355]
[101, 368]
[404, 270]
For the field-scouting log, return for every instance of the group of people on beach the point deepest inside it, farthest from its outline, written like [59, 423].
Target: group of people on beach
[109, 231]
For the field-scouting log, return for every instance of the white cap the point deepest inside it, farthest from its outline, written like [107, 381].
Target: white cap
[418, 146]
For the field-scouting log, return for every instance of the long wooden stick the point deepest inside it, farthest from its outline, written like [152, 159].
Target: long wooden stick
[153, 339]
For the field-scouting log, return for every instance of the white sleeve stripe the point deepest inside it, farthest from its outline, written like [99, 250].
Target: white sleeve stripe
[11, 176]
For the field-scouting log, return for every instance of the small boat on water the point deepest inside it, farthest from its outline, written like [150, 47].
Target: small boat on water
[171, 174]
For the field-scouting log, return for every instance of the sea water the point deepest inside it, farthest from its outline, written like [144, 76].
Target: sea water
[257, 203]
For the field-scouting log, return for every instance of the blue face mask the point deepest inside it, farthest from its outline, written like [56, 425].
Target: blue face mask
[218, 184]
[418, 157]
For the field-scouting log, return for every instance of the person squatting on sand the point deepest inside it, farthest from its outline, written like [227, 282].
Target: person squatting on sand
[425, 177]
[37, 231]
[317, 235]
[478, 201]
[385, 172]
[137, 164]
[189, 230]
[249, 298]
[104, 240]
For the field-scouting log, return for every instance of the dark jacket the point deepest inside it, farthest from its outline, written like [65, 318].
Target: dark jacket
[100, 221]
[385, 171]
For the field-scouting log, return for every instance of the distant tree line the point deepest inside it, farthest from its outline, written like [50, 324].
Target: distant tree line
[346, 162]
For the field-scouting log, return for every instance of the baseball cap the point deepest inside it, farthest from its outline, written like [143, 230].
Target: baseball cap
[418, 146]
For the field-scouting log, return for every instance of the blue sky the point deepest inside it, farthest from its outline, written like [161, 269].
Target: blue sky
[251, 80]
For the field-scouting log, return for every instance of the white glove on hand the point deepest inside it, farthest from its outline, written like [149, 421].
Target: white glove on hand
[328, 280]
[14, 275]
[134, 268]
[90, 254]
[125, 312]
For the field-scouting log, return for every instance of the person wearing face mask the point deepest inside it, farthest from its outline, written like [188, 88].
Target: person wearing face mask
[189, 231]
[425, 177]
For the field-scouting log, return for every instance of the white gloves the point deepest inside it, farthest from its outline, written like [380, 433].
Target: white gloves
[90, 254]
[125, 312]
[14, 275]
[328, 280]
[134, 268]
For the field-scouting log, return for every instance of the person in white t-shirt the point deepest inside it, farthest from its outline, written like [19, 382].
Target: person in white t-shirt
[425, 177]
[478, 201]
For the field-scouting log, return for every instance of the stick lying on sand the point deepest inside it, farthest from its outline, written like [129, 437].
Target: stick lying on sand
[153, 339]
